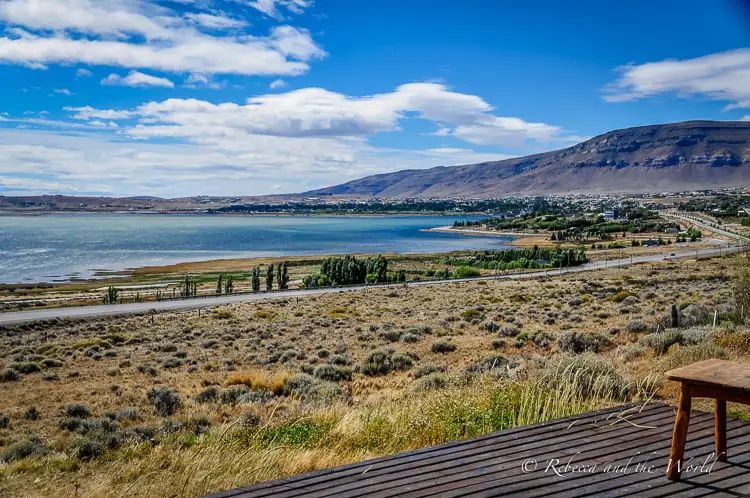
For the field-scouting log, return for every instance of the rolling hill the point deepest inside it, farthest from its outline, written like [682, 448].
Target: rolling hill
[692, 155]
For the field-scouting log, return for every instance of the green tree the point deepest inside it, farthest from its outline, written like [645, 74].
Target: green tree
[229, 286]
[220, 284]
[189, 287]
[269, 277]
[282, 276]
[256, 279]
[111, 297]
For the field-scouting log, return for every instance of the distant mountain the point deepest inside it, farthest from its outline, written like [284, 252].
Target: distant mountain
[693, 155]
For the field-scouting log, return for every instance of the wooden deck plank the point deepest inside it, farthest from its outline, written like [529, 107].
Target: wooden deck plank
[511, 465]
[518, 484]
[490, 465]
[620, 482]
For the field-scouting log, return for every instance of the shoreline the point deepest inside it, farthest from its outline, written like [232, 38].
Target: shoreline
[480, 233]
[275, 214]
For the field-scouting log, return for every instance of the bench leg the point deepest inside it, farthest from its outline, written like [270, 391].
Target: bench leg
[720, 426]
[679, 436]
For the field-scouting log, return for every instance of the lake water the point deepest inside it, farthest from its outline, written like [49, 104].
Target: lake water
[62, 247]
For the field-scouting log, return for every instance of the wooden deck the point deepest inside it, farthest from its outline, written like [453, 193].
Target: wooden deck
[616, 452]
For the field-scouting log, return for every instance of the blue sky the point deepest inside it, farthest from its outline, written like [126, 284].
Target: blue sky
[246, 97]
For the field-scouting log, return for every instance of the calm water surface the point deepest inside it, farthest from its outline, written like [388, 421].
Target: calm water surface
[63, 247]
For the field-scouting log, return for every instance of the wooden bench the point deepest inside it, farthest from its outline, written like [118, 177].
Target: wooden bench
[718, 379]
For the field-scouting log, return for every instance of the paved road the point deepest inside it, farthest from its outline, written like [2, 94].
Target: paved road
[206, 302]
[703, 224]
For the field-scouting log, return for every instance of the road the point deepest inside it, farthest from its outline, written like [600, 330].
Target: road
[99, 311]
[703, 224]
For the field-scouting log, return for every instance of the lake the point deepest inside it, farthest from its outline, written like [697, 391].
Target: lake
[57, 248]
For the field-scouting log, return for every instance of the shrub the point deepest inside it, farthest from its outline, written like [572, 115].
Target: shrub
[165, 401]
[620, 296]
[8, 375]
[391, 335]
[201, 425]
[685, 355]
[332, 373]
[24, 449]
[31, 414]
[510, 331]
[173, 363]
[256, 397]
[77, 411]
[427, 370]
[431, 382]
[581, 342]
[231, 396]
[208, 395]
[131, 414]
[170, 427]
[401, 361]
[661, 342]
[443, 347]
[495, 364]
[90, 448]
[51, 363]
[696, 314]
[636, 326]
[466, 272]
[310, 388]
[542, 339]
[73, 425]
[26, 367]
[4, 421]
[588, 376]
[141, 433]
[380, 362]
[491, 327]
[633, 351]
[410, 337]
[472, 314]
[341, 360]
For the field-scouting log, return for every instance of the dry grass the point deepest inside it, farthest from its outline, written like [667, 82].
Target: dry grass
[260, 380]
[250, 426]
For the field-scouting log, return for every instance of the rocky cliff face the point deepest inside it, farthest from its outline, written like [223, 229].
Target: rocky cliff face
[692, 155]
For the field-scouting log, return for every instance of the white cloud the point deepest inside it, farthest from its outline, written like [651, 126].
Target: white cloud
[138, 34]
[83, 73]
[136, 78]
[720, 76]
[511, 131]
[103, 162]
[271, 7]
[277, 84]
[88, 112]
[212, 21]
[293, 141]
[62, 91]
[745, 117]
[197, 80]
[316, 112]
